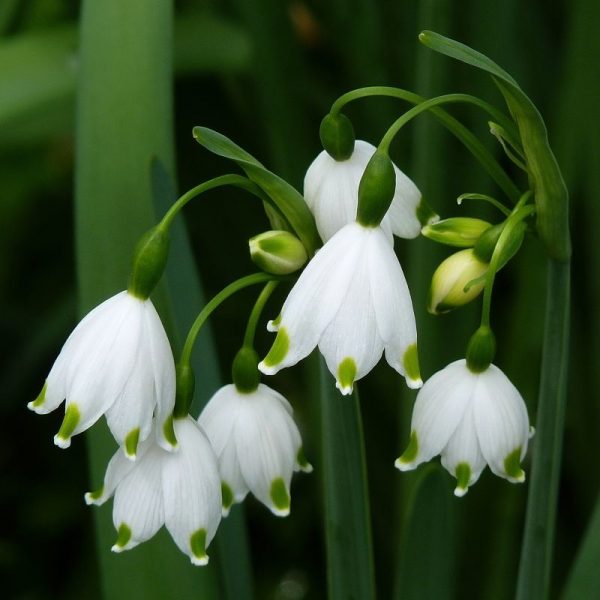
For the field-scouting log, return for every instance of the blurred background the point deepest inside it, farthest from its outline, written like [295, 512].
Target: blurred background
[264, 72]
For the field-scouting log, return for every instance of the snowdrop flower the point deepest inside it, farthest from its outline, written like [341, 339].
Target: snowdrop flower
[471, 419]
[353, 302]
[257, 444]
[331, 192]
[116, 362]
[178, 489]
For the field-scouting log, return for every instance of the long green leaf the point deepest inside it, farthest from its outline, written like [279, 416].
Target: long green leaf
[551, 196]
[123, 120]
[287, 199]
[350, 570]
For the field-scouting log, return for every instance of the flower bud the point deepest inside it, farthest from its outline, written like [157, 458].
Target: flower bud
[462, 232]
[277, 252]
[149, 260]
[481, 349]
[376, 190]
[453, 285]
[244, 371]
[337, 136]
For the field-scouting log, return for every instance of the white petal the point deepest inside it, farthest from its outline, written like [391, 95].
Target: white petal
[103, 361]
[353, 335]
[138, 503]
[501, 421]
[266, 451]
[163, 369]
[462, 456]
[315, 298]
[402, 214]
[393, 305]
[118, 468]
[438, 410]
[192, 491]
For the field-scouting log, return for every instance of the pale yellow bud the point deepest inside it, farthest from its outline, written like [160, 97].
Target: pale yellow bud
[277, 252]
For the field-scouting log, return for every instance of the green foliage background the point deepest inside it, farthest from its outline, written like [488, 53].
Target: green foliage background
[264, 72]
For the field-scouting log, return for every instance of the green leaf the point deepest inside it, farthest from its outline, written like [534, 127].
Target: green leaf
[287, 199]
[350, 571]
[427, 554]
[584, 579]
[547, 184]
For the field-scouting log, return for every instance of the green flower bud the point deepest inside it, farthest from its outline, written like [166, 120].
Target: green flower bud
[149, 260]
[457, 281]
[337, 136]
[486, 245]
[481, 349]
[244, 370]
[376, 190]
[185, 382]
[277, 252]
[484, 248]
[462, 232]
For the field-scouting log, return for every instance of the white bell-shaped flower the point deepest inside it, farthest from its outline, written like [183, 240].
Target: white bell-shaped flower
[471, 419]
[181, 490]
[116, 362]
[352, 300]
[331, 192]
[257, 444]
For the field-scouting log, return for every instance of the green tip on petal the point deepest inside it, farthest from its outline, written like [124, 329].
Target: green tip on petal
[302, 462]
[94, 497]
[426, 214]
[346, 375]
[463, 477]
[123, 538]
[410, 362]
[72, 417]
[39, 401]
[169, 431]
[198, 548]
[131, 443]
[278, 350]
[512, 467]
[405, 462]
[280, 497]
[227, 498]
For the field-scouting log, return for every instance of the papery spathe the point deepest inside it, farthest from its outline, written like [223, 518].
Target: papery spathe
[117, 362]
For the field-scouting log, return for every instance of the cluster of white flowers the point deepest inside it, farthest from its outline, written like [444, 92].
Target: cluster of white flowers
[352, 301]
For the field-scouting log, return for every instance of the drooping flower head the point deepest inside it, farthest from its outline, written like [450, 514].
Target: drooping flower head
[180, 490]
[331, 192]
[471, 419]
[353, 302]
[117, 362]
[257, 444]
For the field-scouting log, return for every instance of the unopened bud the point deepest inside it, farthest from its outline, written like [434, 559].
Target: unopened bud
[337, 136]
[458, 280]
[376, 190]
[277, 252]
[462, 232]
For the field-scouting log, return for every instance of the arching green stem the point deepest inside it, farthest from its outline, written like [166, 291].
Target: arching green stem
[257, 311]
[225, 293]
[485, 198]
[521, 212]
[235, 180]
[470, 141]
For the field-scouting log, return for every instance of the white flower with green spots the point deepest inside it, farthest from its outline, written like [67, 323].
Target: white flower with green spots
[181, 490]
[471, 419]
[117, 362]
[331, 192]
[353, 302]
[257, 444]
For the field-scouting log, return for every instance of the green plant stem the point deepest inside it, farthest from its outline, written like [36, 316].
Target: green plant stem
[257, 311]
[231, 289]
[235, 180]
[538, 539]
